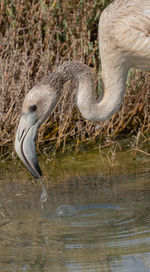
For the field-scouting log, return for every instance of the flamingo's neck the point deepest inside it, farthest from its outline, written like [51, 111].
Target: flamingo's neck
[114, 79]
[114, 83]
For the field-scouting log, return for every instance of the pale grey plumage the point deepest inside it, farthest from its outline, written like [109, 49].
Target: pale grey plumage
[124, 42]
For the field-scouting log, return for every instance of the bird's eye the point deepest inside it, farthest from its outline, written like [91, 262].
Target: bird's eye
[32, 108]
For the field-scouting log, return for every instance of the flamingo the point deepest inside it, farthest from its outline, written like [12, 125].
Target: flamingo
[124, 42]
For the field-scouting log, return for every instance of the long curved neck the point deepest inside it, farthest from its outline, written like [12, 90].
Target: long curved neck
[109, 102]
[114, 85]
[92, 109]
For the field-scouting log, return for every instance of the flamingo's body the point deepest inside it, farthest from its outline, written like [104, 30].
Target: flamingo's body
[124, 41]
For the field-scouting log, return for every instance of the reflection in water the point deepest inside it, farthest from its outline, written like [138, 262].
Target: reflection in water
[108, 228]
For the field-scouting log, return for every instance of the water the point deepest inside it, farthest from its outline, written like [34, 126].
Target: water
[105, 224]
[44, 195]
[66, 211]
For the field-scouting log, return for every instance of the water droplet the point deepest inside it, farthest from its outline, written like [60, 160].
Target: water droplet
[44, 195]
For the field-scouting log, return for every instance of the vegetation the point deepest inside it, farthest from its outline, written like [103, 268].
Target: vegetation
[38, 35]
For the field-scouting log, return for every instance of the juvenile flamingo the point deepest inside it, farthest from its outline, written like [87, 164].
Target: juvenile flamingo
[124, 42]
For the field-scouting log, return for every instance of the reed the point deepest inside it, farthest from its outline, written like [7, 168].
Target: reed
[35, 37]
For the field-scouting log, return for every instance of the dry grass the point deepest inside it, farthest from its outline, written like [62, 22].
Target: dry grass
[38, 35]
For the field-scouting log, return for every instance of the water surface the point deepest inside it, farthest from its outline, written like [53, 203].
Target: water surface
[109, 231]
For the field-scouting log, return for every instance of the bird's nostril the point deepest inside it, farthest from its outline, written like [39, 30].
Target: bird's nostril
[21, 135]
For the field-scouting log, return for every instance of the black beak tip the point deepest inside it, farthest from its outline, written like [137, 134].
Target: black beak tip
[38, 171]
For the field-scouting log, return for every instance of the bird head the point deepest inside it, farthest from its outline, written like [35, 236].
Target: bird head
[37, 106]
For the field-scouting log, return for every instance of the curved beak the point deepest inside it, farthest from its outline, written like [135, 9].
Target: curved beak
[25, 143]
